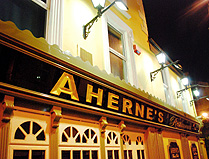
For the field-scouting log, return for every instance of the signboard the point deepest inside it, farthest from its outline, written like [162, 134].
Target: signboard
[174, 151]
[194, 151]
[27, 72]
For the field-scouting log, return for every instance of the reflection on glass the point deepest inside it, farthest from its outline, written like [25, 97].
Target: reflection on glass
[94, 154]
[143, 154]
[86, 154]
[116, 154]
[38, 154]
[65, 154]
[76, 155]
[125, 154]
[20, 154]
[109, 152]
[138, 154]
[130, 154]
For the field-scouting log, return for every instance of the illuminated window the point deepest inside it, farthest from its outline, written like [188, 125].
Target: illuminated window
[117, 58]
[133, 145]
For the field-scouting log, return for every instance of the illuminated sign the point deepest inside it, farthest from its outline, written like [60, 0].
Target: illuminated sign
[92, 94]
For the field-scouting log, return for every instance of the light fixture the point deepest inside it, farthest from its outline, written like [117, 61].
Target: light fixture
[205, 115]
[196, 92]
[185, 81]
[161, 57]
[197, 99]
[99, 5]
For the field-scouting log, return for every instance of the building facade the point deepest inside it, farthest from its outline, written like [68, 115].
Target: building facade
[63, 96]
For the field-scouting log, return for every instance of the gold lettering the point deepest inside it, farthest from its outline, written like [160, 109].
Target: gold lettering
[149, 113]
[139, 110]
[60, 86]
[90, 94]
[160, 119]
[127, 104]
[111, 100]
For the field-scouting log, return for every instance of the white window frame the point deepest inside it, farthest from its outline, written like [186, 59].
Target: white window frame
[127, 36]
[133, 137]
[79, 149]
[27, 147]
[81, 126]
[54, 20]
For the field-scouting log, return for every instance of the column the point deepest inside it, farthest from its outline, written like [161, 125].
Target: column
[56, 115]
[185, 146]
[154, 144]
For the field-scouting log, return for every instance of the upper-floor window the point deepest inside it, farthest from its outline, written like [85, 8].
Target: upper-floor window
[118, 48]
[26, 14]
[117, 58]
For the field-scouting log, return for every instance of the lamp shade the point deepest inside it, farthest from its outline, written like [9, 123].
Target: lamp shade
[161, 58]
[196, 93]
[98, 4]
[121, 5]
[185, 81]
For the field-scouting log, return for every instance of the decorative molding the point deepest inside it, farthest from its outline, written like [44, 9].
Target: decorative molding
[103, 124]
[6, 110]
[122, 127]
[56, 115]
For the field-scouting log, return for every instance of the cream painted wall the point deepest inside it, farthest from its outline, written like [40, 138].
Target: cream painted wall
[76, 14]
[146, 63]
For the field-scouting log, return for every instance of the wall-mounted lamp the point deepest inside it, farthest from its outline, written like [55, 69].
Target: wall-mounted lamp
[161, 59]
[195, 91]
[198, 98]
[99, 5]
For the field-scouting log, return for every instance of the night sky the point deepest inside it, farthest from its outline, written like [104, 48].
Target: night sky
[181, 29]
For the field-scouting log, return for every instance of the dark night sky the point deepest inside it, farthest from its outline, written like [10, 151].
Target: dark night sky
[181, 29]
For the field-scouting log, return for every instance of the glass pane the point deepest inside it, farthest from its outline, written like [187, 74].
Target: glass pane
[130, 154]
[116, 64]
[26, 126]
[76, 154]
[115, 40]
[116, 154]
[64, 139]
[19, 134]
[86, 154]
[20, 154]
[36, 128]
[25, 14]
[143, 154]
[109, 153]
[125, 154]
[94, 154]
[65, 154]
[67, 130]
[38, 154]
[138, 154]
[41, 136]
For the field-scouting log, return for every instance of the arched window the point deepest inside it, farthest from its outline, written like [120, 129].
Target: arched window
[79, 140]
[30, 131]
[112, 145]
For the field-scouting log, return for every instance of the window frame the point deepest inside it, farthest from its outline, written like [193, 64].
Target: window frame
[113, 20]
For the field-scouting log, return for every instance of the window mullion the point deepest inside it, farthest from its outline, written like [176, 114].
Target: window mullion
[117, 54]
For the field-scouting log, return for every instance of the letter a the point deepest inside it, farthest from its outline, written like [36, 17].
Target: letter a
[60, 86]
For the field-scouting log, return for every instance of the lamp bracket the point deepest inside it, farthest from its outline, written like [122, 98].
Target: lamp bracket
[154, 73]
[87, 27]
